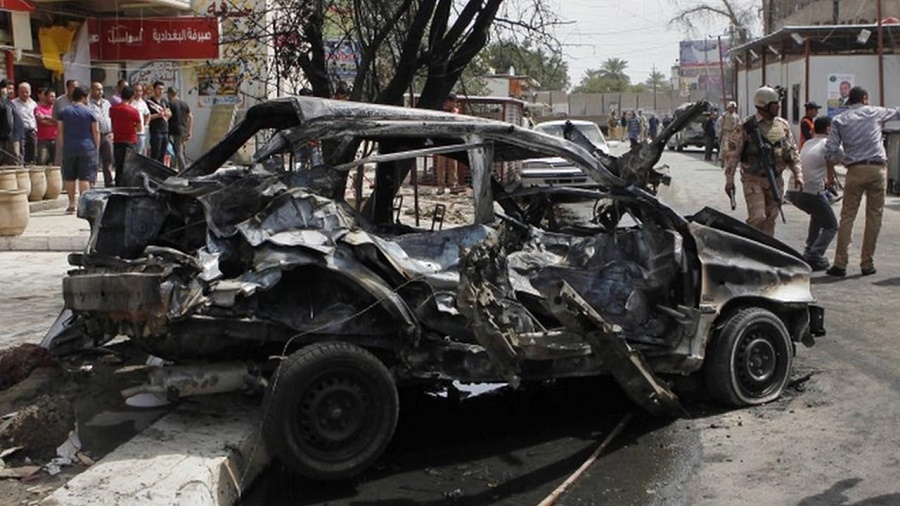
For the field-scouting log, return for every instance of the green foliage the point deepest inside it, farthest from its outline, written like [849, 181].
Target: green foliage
[547, 67]
[611, 77]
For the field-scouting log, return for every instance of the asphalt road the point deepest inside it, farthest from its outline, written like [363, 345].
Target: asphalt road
[831, 440]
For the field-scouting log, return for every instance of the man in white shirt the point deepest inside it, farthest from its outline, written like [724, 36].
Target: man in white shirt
[100, 107]
[141, 105]
[813, 199]
[25, 107]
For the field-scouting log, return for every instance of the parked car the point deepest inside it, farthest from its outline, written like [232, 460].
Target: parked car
[692, 134]
[557, 171]
[222, 267]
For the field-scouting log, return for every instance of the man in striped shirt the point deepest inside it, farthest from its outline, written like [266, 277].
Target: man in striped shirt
[859, 131]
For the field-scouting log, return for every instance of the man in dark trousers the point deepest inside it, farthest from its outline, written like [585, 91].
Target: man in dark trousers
[181, 126]
[7, 150]
[126, 124]
[159, 123]
[709, 133]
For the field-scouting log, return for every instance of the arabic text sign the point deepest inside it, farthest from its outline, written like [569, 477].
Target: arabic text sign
[157, 39]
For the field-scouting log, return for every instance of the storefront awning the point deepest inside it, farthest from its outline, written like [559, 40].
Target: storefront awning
[16, 6]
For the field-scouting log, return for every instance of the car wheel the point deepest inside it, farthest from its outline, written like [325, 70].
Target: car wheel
[749, 361]
[331, 411]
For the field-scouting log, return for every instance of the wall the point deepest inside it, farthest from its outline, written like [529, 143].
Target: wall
[821, 12]
[863, 67]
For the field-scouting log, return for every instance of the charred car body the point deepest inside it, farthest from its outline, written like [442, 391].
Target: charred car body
[222, 263]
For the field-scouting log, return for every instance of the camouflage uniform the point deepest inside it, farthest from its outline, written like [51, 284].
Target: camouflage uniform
[740, 149]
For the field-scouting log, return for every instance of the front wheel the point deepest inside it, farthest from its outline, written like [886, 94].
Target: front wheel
[749, 361]
[331, 411]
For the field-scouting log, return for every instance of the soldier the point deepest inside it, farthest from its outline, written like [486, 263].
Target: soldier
[729, 120]
[742, 149]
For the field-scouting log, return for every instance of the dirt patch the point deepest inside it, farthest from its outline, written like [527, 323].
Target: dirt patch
[17, 363]
[40, 428]
[81, 391]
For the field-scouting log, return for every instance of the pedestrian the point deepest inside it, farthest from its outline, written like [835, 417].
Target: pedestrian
[80, 136]
[728, 120]
[666, 121]
[46, 128]
[181, 126]
[159, 123]
[140, 104]
[807, 123]
[445, 167]
[812, 200]
[7, 122]
[65, 100]
[654, 126]
[100, 107]
[611, 123]
[709, 134]
[642, 135]
[634, 128]
[858, 130]
[742, 149]
[18, 132]
[25, 106]
[624, 124]
[116, 97]
[127, 122]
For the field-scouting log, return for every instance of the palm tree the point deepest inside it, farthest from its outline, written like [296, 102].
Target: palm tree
[657, 81]
[615, 69]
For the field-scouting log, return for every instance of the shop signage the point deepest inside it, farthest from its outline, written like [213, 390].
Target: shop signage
[155, 39]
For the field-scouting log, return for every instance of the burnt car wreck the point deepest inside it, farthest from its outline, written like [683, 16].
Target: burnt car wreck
[289, 257]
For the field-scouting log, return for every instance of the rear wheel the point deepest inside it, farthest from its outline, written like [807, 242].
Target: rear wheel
[331, 411]
[749, 361]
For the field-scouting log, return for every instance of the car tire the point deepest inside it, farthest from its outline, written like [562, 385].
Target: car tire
[331, 411]
[748, 362]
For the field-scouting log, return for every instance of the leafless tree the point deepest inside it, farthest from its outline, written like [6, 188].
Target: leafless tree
[740, 14]
[394, 44]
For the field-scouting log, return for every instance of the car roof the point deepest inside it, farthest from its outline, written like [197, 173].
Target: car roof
[312, 117]
[564, 121]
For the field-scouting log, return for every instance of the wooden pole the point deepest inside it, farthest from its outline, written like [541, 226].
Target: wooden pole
[556, 494]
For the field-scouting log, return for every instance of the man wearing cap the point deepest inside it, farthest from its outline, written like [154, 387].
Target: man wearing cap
[859, 131]
[742, 149]
[807, 124]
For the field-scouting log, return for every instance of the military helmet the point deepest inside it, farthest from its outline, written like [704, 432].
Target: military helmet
[765, 96]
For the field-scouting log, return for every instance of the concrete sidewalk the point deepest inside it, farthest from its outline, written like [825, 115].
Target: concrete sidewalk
[50, 229]
[207, 451]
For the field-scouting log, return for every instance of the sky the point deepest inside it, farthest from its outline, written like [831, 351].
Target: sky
[634, 30]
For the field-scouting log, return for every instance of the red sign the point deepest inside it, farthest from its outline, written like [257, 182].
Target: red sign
[155, 39]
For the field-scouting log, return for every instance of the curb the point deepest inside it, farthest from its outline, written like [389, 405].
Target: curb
[60, 243]
[206, 453]
[43, 243]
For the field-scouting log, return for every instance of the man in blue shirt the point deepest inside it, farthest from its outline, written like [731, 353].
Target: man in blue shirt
[859, 131]
[80, 134]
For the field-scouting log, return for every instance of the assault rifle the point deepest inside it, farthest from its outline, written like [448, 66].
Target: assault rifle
[766, 159]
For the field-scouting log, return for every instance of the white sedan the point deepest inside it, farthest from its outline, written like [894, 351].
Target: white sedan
[556, 171]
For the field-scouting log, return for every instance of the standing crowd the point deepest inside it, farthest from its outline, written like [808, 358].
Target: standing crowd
[86, 133]
[762, 146]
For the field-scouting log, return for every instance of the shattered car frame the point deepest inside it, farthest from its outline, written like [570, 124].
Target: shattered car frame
[287, 257]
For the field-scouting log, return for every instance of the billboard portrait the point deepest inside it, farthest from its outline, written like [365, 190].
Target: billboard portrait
[838, 88]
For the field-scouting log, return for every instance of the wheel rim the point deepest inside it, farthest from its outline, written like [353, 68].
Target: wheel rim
[760, 361]
[334, 416]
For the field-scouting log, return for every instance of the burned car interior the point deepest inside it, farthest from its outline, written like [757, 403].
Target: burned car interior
[315, 252]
